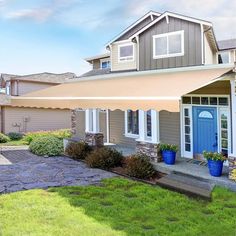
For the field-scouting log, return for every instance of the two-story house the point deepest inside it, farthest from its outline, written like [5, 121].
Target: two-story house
[26, 119]
[164, 79]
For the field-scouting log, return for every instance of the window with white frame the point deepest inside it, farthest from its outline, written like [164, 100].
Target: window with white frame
[142, 125]
[92, 121]
[223, 57]
[126, 52]
[104, 63]
[148, 123]
[132, 122]
[168, 45]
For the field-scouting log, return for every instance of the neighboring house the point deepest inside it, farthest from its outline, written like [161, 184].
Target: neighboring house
[23, 119]
[164, 79]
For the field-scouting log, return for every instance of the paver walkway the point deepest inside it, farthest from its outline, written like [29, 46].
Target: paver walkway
[27, 171]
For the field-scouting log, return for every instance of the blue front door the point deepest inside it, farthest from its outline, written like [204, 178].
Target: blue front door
[205, 135]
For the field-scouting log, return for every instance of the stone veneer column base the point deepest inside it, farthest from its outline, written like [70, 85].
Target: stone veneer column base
[152, 150]
[73, 122]
[94, 139]
[232, 168]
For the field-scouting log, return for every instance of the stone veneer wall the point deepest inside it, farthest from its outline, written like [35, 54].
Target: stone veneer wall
[232, 168]
[94, 139]
[73, 122]
[150, 149]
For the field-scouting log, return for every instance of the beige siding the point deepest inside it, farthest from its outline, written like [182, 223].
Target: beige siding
[170, 127]
[117, 129]
[96, 64]
[27, 87]
[29, 119]
[102, 124]
[80, 124]
[120, 66]
[210, 57]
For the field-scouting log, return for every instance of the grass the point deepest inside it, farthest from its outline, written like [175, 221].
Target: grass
[117, 207]
[14, 143]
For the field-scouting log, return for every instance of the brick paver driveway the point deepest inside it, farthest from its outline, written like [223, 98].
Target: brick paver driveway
[21, 170]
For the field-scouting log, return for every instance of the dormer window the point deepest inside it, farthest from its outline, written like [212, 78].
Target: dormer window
[168, 45]
[126, 52]
[104, 63]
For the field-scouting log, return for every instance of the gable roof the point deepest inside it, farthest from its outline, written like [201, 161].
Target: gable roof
[171, 14]
[101, 56]
[149, 14]
[227, 44]
[41, 77]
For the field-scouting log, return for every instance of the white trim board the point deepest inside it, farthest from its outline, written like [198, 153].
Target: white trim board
[149, 14]
[172, 15]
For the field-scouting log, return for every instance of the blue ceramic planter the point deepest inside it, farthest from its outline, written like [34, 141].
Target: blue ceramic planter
[169, 157]
[215, 167]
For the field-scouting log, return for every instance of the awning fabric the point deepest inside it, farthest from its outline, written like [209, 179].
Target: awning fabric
[159, 91]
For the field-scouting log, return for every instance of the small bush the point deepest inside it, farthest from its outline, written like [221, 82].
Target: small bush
[15, 136]
[139, 166]
[104, 158]
[4, 138]
[60, 134]
[46, 146]
[78, 150]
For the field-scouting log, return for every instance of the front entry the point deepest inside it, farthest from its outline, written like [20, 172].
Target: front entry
[205, 135]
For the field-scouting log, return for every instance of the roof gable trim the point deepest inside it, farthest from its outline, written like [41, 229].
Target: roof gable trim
[167, 14]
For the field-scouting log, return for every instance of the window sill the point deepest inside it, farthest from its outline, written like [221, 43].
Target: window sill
[147, 141]
[135, 136]
[168, 56]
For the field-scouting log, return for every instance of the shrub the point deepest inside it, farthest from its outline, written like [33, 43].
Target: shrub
[46, 146]
[62, 133]
[139, 166]
[104, 158]
[168, 147]
[15, 136]
[78, 150]
[214, 156]
[4, 138]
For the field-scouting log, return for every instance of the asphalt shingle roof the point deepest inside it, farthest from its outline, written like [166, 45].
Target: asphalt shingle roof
[227, 44]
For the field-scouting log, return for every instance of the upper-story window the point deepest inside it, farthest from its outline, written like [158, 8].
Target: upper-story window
[104, 63]
[126, 52]
[223, 57]
[168, 45]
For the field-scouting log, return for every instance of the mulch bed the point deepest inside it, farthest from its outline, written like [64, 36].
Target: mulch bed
[153, 181]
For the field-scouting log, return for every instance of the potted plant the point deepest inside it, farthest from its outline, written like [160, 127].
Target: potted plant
[215, 162]
[169, 153]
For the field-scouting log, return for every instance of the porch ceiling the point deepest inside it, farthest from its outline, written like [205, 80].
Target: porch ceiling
[159, 90]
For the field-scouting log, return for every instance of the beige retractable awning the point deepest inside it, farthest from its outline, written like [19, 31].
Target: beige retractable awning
[159, 90]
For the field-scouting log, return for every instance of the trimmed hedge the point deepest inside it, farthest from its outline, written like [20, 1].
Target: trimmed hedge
[15, 136]
[104, 158]
[4, 138]
[78, 150]
[46, 146]
[60, 134]
[139, 166]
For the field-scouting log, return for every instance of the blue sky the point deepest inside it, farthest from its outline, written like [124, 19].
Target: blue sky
[55, 35]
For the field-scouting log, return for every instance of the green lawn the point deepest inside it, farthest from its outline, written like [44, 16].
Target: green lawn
[118, 207]
[14, 143]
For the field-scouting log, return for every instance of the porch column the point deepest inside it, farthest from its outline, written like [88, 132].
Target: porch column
[92, 129]
[149, 145]
[73, 122]
[232, 157]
